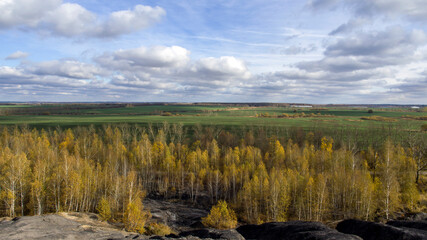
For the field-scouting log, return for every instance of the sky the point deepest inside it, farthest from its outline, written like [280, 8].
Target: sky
[299, 51]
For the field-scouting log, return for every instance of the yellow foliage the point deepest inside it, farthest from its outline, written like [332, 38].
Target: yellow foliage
[220, 217]
[327, 144]
[42, 172]
[135, 216]
[158, 229]
[104, 209]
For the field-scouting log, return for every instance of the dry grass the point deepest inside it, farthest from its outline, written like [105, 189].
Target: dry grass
[379, 118]
[353, 120]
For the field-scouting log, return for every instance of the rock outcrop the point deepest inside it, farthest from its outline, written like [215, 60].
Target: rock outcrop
[81, 226]
[53, 227]
[294, 230]
[86, 226]
[380, 231]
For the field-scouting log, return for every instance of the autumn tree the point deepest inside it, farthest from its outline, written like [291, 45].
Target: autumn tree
[135, 216]
[220, 217]
[388, 190]
[104, 209]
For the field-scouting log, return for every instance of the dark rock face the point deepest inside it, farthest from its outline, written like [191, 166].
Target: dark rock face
[179, 216]
[379, 231]
[421, 225]
[213, 234]
[294, 230]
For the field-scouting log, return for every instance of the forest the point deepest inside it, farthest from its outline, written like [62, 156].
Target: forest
[263, 174]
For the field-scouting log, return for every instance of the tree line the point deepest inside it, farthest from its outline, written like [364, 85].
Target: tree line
[262, 177]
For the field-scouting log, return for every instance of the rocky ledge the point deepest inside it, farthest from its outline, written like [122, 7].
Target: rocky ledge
[86, 226]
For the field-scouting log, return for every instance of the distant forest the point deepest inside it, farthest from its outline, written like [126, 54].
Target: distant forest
[264, 174]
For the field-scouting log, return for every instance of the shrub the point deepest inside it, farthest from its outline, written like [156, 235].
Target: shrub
[158, 229]
[220, 217]
[424, 127]
[135, 216]
[370, 111]
[104, 209]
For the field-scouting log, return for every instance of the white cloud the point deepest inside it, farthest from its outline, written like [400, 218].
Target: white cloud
[66, 68]
[156, 63]
[155, 57]
[161, 66]
[73, 20]
[11, 75]
[122, 22]
[393, 41]
[70, 19]
[25, 12]
[158, 70]
[223, 67]
[17, 55]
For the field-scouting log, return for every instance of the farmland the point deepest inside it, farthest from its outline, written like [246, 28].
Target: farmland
[71, 115]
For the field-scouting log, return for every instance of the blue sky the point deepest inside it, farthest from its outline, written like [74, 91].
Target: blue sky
[314, 51]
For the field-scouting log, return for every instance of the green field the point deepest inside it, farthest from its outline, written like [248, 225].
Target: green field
[16, 106]
[70, 115]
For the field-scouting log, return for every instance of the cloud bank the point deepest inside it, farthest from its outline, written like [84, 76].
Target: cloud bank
[150, 70]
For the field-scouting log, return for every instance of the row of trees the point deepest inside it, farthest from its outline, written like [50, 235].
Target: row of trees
[87, 169]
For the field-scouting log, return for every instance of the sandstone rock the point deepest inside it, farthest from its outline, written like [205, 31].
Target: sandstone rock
[53, 227]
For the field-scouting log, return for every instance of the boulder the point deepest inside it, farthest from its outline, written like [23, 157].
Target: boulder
[379, 231]
[293, 230]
